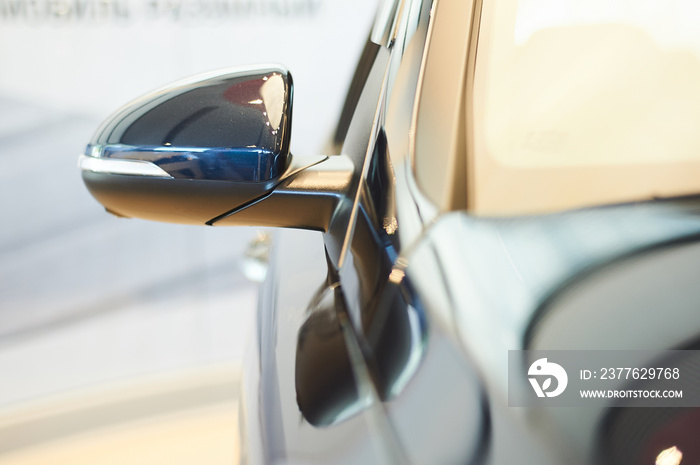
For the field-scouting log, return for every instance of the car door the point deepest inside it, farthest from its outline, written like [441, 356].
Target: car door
[401, 348]
[342, 331]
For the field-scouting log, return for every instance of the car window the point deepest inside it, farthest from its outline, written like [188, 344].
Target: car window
[584, 103]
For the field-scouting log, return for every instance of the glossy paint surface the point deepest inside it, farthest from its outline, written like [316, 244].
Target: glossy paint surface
[404, 340]
[197, 150]
[233, 126]
[370, 364]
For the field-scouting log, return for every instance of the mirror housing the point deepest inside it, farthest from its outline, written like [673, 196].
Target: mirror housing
[202, 149]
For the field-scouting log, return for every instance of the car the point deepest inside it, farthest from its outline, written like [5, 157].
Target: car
[506, 178]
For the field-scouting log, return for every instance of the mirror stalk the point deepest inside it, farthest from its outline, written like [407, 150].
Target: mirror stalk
[306, 199]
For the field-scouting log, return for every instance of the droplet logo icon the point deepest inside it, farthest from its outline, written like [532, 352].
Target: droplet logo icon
[545, 371]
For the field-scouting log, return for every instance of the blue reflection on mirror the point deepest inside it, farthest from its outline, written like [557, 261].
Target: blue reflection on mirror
[231, 126]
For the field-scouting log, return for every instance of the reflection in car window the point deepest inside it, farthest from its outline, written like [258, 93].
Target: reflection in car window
[595, 86]
[594, 82]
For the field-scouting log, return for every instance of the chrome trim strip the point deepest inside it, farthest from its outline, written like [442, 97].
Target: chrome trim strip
[129, 167]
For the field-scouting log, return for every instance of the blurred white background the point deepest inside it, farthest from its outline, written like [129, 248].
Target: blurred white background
[87, 299]
[92, 56]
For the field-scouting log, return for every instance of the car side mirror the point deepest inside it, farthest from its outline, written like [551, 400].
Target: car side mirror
[203, 150]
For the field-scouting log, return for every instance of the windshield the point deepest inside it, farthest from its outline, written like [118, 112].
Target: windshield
[592, 102]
